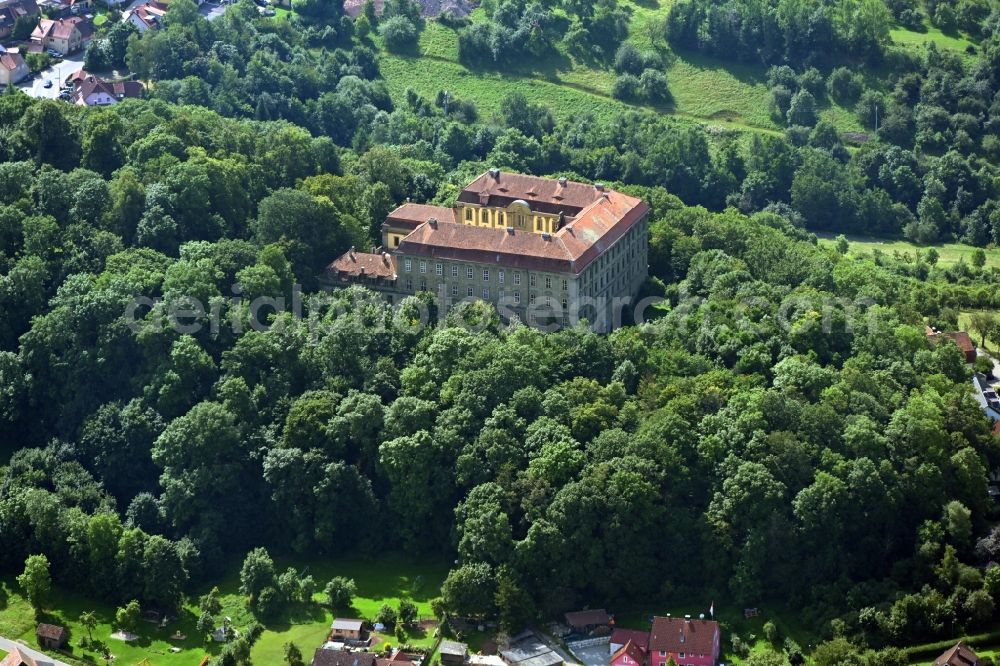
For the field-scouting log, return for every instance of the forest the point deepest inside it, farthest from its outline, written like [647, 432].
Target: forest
[781, 430]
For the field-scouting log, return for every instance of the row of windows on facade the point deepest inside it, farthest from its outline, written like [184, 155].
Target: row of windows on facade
[471, 292]
[501, 219]
[599, 279]
[470, 273]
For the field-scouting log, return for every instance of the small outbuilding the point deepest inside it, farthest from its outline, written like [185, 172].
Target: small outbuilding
[347, 628]
[959, 655]
[51, 636]
[453, 653]
[587, 620]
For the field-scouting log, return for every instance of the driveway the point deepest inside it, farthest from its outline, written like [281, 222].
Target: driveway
[57, 73]
[43, 659]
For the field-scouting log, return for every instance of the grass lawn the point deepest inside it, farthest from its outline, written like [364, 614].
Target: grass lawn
[949, 253]
[100, 19]
[907, 37]
[382, 581]
[964, 318]
[379, 582]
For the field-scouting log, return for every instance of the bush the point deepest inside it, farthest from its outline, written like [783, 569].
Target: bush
[812, 81]
[269, 603]
[340, 592]
[407, 611]
[628, 60]
[802, 110]
[653, 84]
[398, 33]
[869, 107]
[386, 615]
[627, 87]
[781, 101]
[844, 86]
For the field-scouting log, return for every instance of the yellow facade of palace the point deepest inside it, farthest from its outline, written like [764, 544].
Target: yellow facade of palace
[517, 215]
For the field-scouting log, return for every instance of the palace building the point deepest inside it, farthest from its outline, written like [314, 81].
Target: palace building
[538, 248]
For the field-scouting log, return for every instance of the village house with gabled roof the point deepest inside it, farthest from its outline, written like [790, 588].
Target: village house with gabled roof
[10, 11]
[323, 657]
[546, 250]
[688, 642]
[148, 16]
[959, 655]
[12, 66]
[629, 654]
[619, 637]
[65, 35]
[94, 91]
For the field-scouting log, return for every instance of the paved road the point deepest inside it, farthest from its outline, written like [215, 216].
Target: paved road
[7, 645]
[57, 74]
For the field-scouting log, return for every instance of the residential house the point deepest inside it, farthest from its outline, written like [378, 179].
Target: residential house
[51, 636]
[619, 637]
[527, 649]
[960, 338]
[95, 91]
[688, 642]
[323, 657]
[586, 621]
[11, 10]
[347, 629]
[26, 657]
[629, 654]
[986, 396]
[65, 35]
[453, 653]
[12, 66]
[145, 17]
[959, 655]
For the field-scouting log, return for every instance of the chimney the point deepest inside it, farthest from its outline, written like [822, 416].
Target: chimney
[599, 187]
[546, 236]
[495, 173]
[562, 181]
[701, 616]
[352, 252]
[433, 222]
[510, 230]
[385, 258]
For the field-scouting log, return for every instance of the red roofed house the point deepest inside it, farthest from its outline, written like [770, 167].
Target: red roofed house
[11, 11]
[629, 654]
[146, 17]
[12, 66]
[66, 35]
[960, 338]
[688, 642]
[95, 91]
[960, 655]
[544, 250]
[619, 637]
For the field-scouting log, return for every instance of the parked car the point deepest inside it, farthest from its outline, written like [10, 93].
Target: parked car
[47, 84]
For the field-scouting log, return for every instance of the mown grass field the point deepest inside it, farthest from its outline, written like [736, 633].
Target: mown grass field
[964, 319]
[705, 90]
[379, 581]
[949, 253]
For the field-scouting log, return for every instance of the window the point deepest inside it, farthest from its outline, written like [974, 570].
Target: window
[409, 284]
[548, 282]
[564, 285]
[680, 655]
[408, 265]
[468, 214]
[500, 277]
[486, 275]
[423, 266]
[486, 293]
[531, 299]
[468, 292]
[423, 285]
[395, 241]
[468, 272]
[531, 280]
[517, 297]
[662, 653]
[439, 270]
[454, 271]
[564, 303]
[517, 278]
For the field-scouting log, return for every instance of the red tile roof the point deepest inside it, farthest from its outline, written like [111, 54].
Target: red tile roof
[674, 634]
[364, 264]
[623, 636]
[498, 188]
[62, 28]
[87, 86]
[637, 654]
[11, 60]
[963, 340]
[411, 215]
[51, 631]
[960, 655]
[570, 250]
